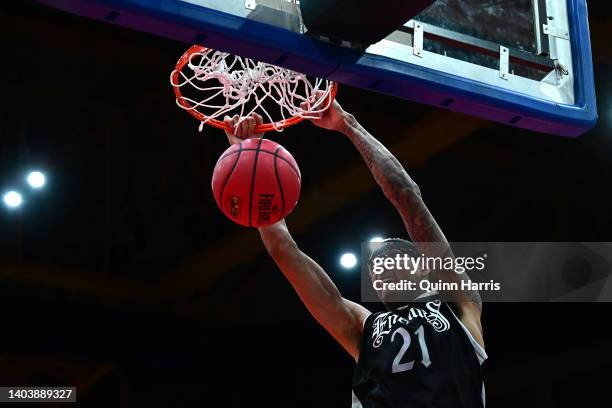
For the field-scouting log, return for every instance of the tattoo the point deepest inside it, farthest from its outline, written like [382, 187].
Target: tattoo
[386, 169]
[405, 195]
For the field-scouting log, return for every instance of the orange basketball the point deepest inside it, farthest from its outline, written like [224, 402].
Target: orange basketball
[256, 182]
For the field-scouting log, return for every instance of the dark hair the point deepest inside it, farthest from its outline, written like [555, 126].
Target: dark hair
[392, 245]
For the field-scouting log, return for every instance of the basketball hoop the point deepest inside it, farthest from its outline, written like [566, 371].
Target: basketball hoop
[225, 84]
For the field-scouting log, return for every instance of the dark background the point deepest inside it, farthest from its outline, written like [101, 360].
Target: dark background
[121, 277]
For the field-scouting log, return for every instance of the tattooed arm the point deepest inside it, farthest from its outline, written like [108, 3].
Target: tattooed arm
[405, 195]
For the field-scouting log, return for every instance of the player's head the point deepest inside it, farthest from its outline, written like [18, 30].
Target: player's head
[395, 249]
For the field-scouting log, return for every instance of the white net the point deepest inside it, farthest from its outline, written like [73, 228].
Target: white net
[224, 84]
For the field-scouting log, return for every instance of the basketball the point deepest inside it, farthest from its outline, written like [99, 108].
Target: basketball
[256, 183]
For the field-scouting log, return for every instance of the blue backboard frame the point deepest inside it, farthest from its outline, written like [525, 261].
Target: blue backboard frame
[192, 23]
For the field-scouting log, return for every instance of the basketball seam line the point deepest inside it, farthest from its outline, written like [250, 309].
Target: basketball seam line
[229, 176]
[297, 172]
[253, 183]
[280, 186]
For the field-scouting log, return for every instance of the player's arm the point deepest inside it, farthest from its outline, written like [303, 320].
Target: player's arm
[342, 318]
[405, 195]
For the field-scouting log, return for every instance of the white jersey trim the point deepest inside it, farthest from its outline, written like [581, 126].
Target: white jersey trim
[480, 351]
[355, 403]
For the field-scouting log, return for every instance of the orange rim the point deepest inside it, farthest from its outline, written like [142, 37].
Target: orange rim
[266, 127]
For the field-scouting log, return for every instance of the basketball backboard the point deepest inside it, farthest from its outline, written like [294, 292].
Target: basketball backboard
[526, 63]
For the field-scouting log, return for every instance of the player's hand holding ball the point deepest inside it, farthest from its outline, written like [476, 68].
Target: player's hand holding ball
[256, 182]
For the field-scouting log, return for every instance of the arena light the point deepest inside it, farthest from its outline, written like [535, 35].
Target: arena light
[12, 199]
[348, 260]
[36, 179]
[377, 239]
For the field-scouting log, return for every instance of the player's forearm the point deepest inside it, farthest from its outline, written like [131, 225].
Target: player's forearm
[341, 318]
[276, 238]
[309, 280]
[396, 184]
[388, 172]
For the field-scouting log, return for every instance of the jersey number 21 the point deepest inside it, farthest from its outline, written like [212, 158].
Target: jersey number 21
[398, 366]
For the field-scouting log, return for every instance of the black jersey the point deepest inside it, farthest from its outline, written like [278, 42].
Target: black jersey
[420, 355]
